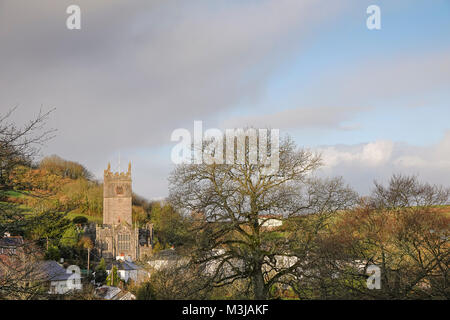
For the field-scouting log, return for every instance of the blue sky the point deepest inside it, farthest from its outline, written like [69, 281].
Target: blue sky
[339, 46]
[373, 102]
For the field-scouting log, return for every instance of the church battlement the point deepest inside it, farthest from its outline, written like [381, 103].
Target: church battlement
[108, 174]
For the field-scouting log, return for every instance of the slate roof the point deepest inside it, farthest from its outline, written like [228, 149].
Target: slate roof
[107, 292]
[113, 293]
[168, 254]
[11, 242]
[53, 271]
[123, 265]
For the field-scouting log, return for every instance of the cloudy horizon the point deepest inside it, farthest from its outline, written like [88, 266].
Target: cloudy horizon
[372, 102]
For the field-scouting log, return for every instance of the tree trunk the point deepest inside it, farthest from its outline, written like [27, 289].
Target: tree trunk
[88, 250]
[259, 289]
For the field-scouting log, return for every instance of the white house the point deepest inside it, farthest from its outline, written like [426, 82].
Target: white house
[167, 259]
[270, 221]
[60, 280]
[127, 270]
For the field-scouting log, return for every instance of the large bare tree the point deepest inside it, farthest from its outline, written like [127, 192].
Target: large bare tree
[403, 231]
[232, 203]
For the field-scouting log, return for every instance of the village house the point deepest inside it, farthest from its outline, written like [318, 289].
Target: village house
[127, 270]
[166, 259]
[10, 244]
[59, 280]
[270, 221]
[113, 293]
[18, 260]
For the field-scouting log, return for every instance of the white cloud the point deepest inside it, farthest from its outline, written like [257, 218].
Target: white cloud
[371, 154]
[361, 164]
[436, 157]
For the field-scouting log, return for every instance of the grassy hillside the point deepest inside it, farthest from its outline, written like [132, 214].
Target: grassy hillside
[63, 186]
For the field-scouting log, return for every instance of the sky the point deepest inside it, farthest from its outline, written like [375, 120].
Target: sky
[372, 102]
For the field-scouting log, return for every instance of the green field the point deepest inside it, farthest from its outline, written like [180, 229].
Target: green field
[25, 209]
[75, 213]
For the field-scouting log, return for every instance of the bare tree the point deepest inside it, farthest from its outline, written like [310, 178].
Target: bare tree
[177, 282]
[408, 191]
[409, 246]
[233, 202]
[20, 274]
[400, 232]
[18, 145]
[415, 257]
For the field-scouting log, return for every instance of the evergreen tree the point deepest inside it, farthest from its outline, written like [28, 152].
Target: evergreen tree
[100, 272]
[113, 279]
[69, 238]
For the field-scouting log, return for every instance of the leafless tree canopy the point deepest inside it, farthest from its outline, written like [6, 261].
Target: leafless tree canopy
[21, 144]
[232, 203]
[408, 191]
[21, 277]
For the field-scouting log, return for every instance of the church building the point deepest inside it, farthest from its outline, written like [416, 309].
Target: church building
[118, 237]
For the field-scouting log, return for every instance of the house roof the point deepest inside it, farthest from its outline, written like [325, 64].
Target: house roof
[270, 216]
[168, 254]
[113, 293]
[53, 271]
[107, 292]
[8, 242]
[123, 265]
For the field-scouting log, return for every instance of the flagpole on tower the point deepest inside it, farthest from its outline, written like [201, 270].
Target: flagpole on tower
[119, 161]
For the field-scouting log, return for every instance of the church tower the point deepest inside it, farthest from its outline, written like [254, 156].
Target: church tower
[117, 205]
[117, 238]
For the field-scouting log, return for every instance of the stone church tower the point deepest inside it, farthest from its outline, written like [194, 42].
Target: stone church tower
[117, 237]
[117, 205]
